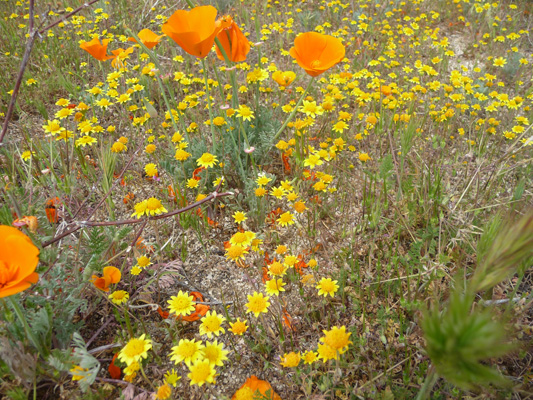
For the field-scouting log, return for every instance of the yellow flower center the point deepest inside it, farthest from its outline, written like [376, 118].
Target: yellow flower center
[316, 64]
[134, 348]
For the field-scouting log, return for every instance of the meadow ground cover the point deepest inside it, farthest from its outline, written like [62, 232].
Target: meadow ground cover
[241, 199]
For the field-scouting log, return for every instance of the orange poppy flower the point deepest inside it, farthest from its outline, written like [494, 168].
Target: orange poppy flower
[114, 371]
[119, 55]
[96, 49]
[18, 259]
[194, 31]
[316, 53]
[284, 78]
[254, 386]
[51, 211]
[232, 40]
[111, 275]
[148, 38]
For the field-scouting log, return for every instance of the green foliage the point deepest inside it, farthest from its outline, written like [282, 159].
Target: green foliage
[504, 253]
[458, 339]
[85, 361]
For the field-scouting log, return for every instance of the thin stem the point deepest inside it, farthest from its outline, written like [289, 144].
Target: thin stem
[428, 385]
[291, 116]
[204, 66]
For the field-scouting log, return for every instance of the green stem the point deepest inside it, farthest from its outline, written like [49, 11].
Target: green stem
[209, 107]
[27, 328]
[428, 385]
[291, 115]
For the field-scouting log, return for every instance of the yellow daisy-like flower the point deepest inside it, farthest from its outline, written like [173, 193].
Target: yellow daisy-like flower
[274, 286]
[310, 357]
[236, 252]
[239, 217]
[192, 183]
[245, 113]
[290, 360]
[182, 155]
[172, 377]
[150, 169]
[260, 191]
[277, 269]
[326, 352]
[135, 350]
[136, 270]
[140, 209]
[337, 338]
[257, 304]
[118, 147]
[243, 239]
[150, 148]
[201, 372]
[327, 286]
[238, 327]
[312, 161]
[285, 219]
[132, 368]
[27, 155]
[182, 304]
[215, 353]
[119, 296]
[85, 140]
[212, 324]
[187, 351]
[154, 206]
[143, 261]
[207, 160]
[53, 127]
[262, 180]
[163, 392]
[290, 260]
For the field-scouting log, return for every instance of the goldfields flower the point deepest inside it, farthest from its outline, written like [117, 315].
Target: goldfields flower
[274, 286]
[163, 392]
[187, 351]
[243, 239]
[182, 304]
[286, 219]
[236, 252]
[337, 338]
[239, 217]
[257, 304]
[150, 169]
[154, 206]
[277, 269]
[290, 360]
[215, 353]
[245, 113]
[310, 357]
[172, 377]
[238, 327]
[202, 371]
[327, 286]
[326, 352]
[143, 261]
[207, 160]
[212, 324]
[119, 296]
[135, 350]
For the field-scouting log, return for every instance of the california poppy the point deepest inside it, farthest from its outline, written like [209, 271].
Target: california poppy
[18, 259]
[96, 49]
[232, 40]
[51, 210]
[316, 53]
[119, 55]
[194, 31]
[114, 371]
[254, 386]
[148, 38]
[284, 78]
[111, 275]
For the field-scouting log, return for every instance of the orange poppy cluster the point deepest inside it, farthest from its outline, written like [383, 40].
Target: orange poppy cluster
[18, 259]
[195, 31]
[256, 388]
